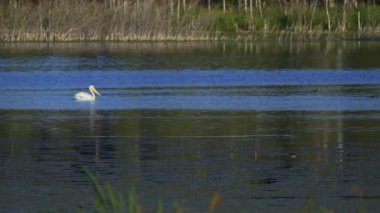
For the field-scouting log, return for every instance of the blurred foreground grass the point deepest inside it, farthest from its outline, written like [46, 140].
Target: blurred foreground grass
[108, 200]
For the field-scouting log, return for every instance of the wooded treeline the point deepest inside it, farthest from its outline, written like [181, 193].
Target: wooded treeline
[181, 19]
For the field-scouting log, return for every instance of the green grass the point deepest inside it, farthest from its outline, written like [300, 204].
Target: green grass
[107, 200]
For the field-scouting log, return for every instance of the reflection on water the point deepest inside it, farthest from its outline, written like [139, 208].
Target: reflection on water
[272, 127]
[268, 160]
[90, 56]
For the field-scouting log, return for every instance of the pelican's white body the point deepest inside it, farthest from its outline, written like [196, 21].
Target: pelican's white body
[84, 96]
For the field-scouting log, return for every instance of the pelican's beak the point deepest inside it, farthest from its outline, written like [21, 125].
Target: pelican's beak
[96, 92]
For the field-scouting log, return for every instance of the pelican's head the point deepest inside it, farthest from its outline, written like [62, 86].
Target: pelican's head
[92, 88]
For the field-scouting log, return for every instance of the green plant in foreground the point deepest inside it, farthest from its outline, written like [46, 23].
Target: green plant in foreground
[109, 201]
[160, 207]
[132, 200]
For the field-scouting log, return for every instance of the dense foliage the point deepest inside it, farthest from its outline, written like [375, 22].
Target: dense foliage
[180, 19]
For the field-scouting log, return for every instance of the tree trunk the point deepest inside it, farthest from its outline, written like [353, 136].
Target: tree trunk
[251, 9]
[327, 4]
[178, 10]
[344, 16]
[40, 15]
[171, 7]
[355, 2]
[258, 6]
[224, 6]
[359, 25]
[251, 14]
[312, 15]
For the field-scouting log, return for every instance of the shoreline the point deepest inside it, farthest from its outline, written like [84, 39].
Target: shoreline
[245, 36]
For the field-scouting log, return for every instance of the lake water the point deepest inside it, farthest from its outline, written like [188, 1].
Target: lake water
[270, 127]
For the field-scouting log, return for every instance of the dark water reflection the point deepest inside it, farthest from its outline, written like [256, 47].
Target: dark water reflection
[266, 160]
[271, 127]
[188, 55]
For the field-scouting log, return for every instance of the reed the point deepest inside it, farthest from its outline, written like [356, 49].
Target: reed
[145, 20]
[70, 20]
[107, 200]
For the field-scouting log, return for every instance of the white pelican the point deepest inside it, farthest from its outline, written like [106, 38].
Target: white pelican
[84, 96]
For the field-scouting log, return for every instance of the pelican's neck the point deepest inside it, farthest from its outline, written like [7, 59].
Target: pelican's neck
[93, 94]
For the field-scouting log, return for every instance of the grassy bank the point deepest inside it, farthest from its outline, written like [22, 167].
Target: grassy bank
[124, 20]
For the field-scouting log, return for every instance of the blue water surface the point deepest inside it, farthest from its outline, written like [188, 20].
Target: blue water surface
[192, 89]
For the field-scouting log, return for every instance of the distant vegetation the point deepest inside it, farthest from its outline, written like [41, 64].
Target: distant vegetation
[67, 20]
